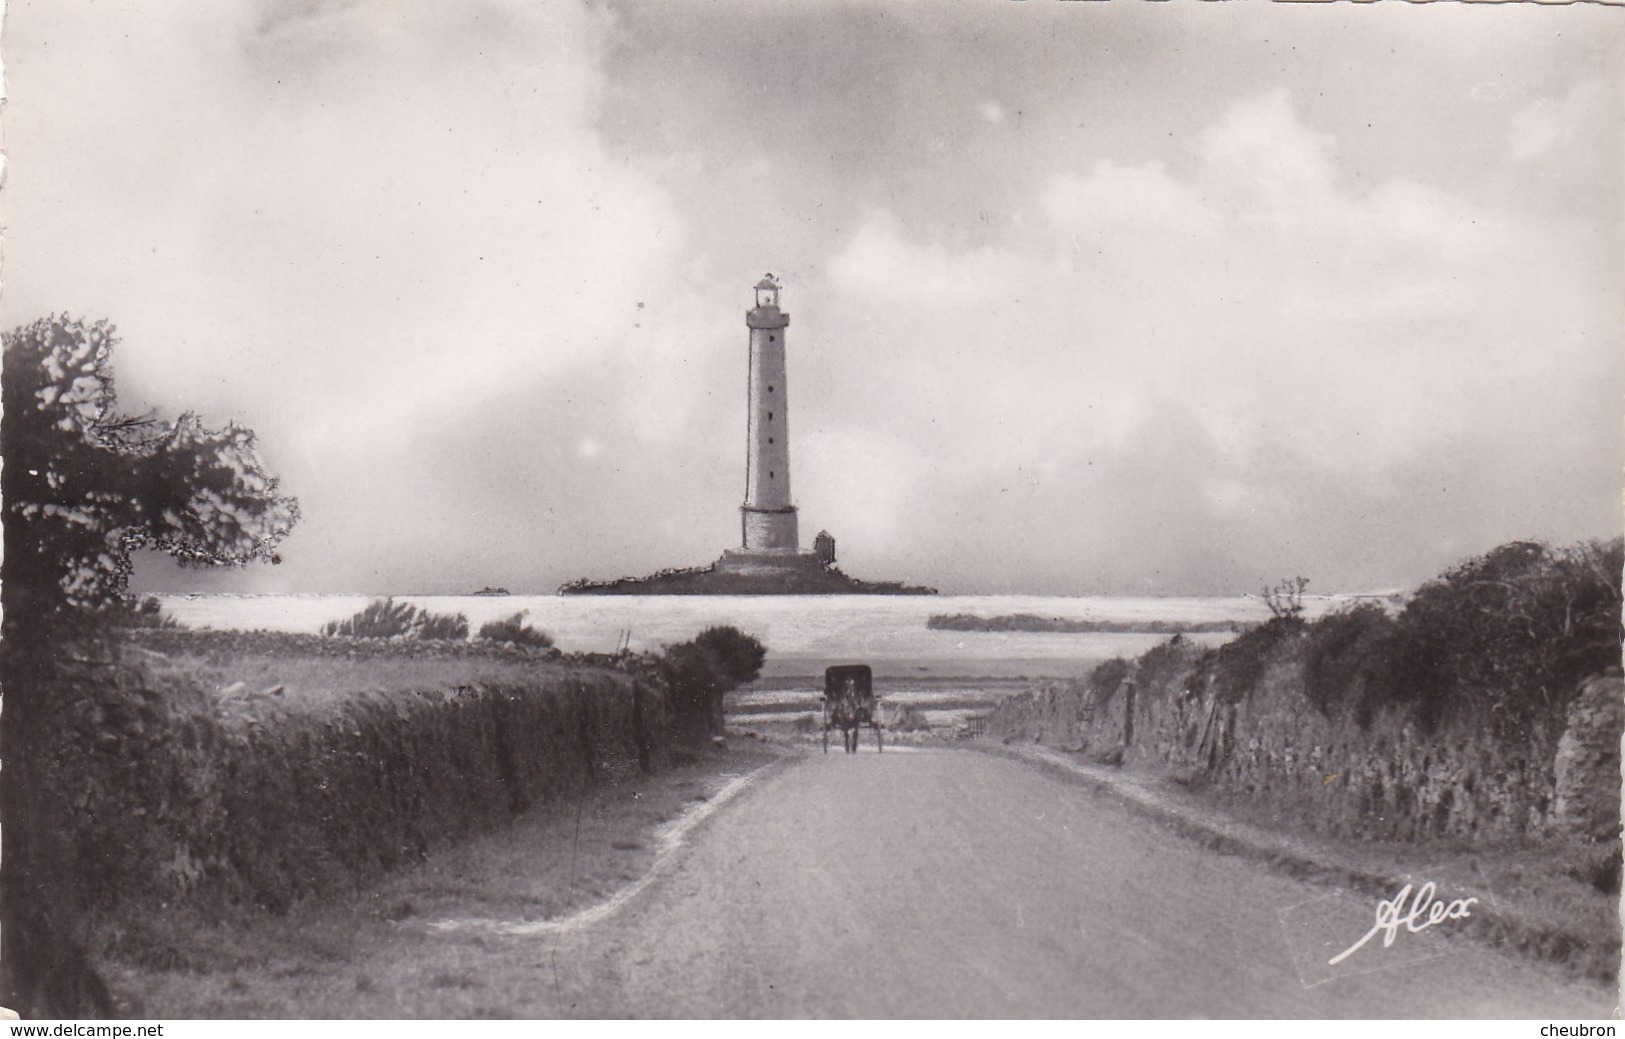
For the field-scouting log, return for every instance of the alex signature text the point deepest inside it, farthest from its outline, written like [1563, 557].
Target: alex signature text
[1423, 913]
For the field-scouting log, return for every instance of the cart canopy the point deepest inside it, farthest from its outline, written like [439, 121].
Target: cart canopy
[835, 679]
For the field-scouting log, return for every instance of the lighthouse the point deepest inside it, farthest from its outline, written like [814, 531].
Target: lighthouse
[769, 560]
[767, 519]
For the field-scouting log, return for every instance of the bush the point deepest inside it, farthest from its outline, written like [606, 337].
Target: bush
[1166, 663]
[1347, 661]
[1511, 633]
[449, 626]
[148, 614]
[1285, 599]
[515, 631]
[84, 485]
[381, 619]
[1598, 867]
[1104, 681]
[736, 657]
[910, 719]
[1237, 667]
[177, 801]
[388, 619]
[700, 672]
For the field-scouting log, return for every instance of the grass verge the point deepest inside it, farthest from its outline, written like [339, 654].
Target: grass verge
[1530, 902]
[371, 954]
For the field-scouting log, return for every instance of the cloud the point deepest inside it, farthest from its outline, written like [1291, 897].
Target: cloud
[1264, 153]
[1252, 341]
[401, 199]
[386, 222]
[475, 274]
[1548, 125]
[1298, 240]
[880, 261]
[1120, 197]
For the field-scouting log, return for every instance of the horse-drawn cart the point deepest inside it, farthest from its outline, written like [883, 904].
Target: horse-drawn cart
[849, 702]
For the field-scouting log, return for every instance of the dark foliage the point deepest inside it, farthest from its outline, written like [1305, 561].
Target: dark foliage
[181, 801]
[1348, 660]
[447, 626]
[700, 672]
[1237, 667]
[515, 631]
[1285, 599]
[83, 487]
[149, 613]
[1598, 867]
[380, 619]
[1167, 663]
[388, 619]
[1104, 681]
[1511, 633]
[733, 655]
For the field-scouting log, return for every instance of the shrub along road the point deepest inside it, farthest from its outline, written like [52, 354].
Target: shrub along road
[941, 883]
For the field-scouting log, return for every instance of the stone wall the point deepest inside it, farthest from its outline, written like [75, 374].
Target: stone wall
[1587, 769]
[1387, 779]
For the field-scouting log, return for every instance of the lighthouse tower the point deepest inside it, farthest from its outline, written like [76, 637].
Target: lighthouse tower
[767, 519]
[769, 560]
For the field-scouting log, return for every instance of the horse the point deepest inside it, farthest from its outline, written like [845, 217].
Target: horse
[846, 714]
[848, 704]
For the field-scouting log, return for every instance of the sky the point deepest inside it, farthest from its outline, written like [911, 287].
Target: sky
[1103, 298]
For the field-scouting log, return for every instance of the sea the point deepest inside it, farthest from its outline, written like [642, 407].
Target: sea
[946, 676]
[803, 634]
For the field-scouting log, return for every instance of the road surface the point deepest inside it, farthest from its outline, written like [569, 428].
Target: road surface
[948, 883]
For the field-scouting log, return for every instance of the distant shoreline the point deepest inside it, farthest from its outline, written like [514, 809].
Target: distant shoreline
[1067, 625]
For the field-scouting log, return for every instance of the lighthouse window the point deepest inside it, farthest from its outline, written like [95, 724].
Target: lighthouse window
[770, 416]
[770, 389]
[770, 440]
[772, 339]
[770, 474]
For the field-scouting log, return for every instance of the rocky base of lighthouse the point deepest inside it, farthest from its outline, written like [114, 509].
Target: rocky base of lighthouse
[741, 572]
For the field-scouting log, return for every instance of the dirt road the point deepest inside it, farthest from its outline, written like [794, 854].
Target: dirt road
[943, 883]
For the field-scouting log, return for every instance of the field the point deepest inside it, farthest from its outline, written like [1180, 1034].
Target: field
[300, 682]
[889, 629]
[924, 675]
[946, 675]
